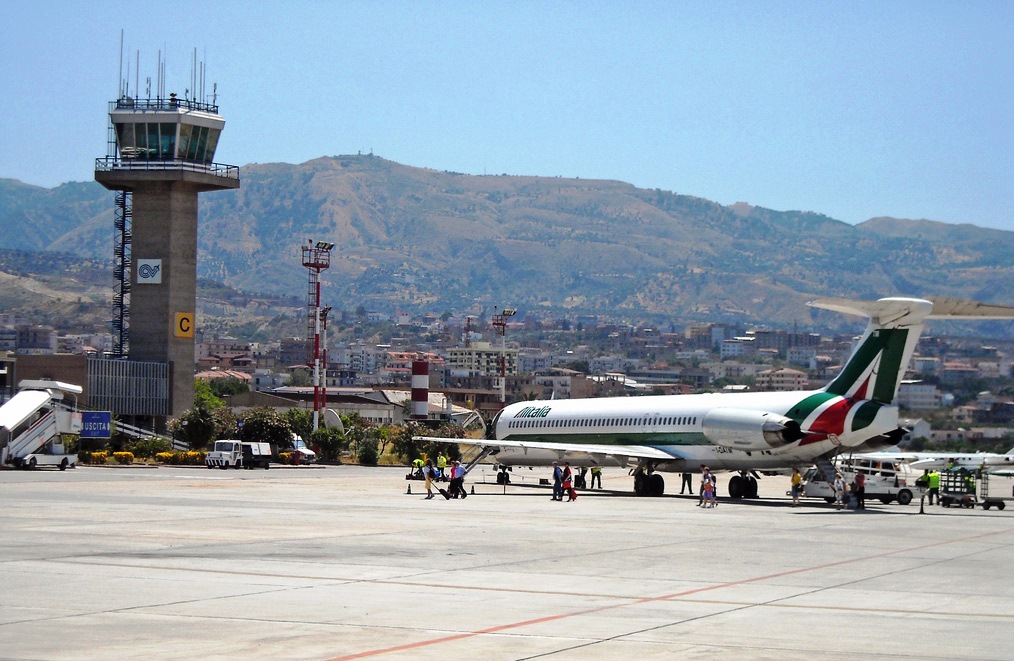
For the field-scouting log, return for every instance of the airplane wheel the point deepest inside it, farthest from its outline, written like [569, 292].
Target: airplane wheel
[1001, 505]
[656, 485]
[640, 484]
[751, 487]
[737, 488]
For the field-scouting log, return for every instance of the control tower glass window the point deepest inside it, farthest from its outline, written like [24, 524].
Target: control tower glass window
[147, 140]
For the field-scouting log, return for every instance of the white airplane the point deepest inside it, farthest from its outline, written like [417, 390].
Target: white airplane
[744, 432]
[942, 460]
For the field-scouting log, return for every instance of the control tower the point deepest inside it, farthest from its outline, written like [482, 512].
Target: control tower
[161, 157]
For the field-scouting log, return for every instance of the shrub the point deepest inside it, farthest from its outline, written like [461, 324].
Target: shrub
[368, 455]
[150, 447]
[99, 457]
[123, 457]
[189, 458]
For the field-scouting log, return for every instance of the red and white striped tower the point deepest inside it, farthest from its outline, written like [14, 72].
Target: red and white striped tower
[420, 389]
[317, 258]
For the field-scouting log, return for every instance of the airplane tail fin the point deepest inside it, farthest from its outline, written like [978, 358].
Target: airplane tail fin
[875, 369]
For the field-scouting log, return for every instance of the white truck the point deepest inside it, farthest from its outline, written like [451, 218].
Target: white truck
[33, 422]
[885, 481]
[239, 454]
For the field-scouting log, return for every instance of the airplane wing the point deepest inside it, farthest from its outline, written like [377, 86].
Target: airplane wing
[518, 452]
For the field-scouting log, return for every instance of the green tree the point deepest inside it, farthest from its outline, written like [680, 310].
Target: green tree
[196, 427]
[266, 425]
[204, 397]
[300, 422]
[367, 454]
[356, 430]
[408, 449]
[330, 442]
[225, 423]
[300, 378]
[225, 387]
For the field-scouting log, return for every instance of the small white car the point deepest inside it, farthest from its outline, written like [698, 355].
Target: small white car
[305, 454]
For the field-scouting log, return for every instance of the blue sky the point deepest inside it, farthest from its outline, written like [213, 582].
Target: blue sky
[851, 109]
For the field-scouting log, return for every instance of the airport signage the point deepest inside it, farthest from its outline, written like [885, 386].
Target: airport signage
[184, 324]
[149, 271]
[96, 424]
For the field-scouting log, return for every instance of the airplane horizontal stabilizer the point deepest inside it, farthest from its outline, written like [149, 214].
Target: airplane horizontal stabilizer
[958, 308]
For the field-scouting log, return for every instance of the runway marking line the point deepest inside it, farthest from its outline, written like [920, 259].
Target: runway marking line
[647, 600]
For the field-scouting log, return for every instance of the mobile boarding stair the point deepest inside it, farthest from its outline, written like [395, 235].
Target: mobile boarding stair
[32, 422]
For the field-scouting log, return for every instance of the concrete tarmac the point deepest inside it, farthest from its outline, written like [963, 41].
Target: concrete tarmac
[341, 563]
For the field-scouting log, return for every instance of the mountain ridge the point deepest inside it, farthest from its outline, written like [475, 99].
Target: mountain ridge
[420, 239]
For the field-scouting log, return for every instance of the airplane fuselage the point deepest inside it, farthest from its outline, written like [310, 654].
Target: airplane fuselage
[726, 431]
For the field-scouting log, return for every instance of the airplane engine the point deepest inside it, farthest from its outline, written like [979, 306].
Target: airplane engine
[743, 429]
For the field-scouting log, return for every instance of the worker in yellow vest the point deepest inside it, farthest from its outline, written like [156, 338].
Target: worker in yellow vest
[933, 479]
[442, 466]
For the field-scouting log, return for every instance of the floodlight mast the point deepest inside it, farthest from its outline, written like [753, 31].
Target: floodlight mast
[500, 326]
[316, 258]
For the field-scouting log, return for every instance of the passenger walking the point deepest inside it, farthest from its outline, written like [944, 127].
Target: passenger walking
[839, 490]
[709, 493]
[705, 477]
[457, 480]
[596, 473]
[797, 486]
[687, 485]
[429, 472]
[860, 490]
[557, 482]
[568, 483]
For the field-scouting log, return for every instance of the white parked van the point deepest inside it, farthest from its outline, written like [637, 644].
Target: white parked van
[885, 481]
[239, 454]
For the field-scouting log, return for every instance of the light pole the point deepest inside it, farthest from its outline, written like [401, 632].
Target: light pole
[500, 325]
[317, 258]
[321, 375]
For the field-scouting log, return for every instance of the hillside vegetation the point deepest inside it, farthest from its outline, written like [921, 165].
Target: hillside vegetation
[416, 239]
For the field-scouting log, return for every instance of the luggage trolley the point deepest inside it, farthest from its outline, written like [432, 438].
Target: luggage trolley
[991, 495]
[957, 487]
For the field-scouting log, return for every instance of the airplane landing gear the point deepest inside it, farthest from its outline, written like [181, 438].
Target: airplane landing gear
[648, 484]
[742, 486]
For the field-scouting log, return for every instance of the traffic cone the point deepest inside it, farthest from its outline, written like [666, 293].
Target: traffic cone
[408, 492]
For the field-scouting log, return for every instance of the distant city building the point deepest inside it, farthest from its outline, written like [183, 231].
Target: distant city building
[802, 356]
[738, 347]
[481, 359]
[918, 395]
[782, 379]
[36, 340]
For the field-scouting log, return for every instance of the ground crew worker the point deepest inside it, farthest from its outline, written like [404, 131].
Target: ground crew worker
[441, 466]
[933, 479]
